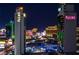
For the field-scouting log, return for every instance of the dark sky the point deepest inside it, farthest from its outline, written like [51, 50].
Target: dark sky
[38, 15]
[42, 15]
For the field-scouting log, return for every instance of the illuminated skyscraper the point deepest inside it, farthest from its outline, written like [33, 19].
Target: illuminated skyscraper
[70, 18]
[19, 30]
[67, 23]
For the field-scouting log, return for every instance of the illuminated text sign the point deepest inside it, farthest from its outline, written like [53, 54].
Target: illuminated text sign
[70, 17]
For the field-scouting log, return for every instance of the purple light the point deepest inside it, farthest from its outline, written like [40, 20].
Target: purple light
[70, 17]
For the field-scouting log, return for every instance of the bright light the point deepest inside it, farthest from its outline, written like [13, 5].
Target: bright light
[43, 33]
[21, 8]
[2, 45]
[59, 9]
[10, 41]
[3, 30]
[24, 14]
[70, 17]
[29, 32]
[18, 13]
[18, 18]
[38, 34]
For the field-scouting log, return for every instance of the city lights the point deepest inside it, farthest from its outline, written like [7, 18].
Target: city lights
[28, 33]
[18, 17]
[19, 14]
[43, 33]
[24, 14]
[70, 17]
[59, 9]
[21, 8]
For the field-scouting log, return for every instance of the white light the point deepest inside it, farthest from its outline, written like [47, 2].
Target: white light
[10, 41]
[24, 14]
[18, 14]
[3, 30]
[18, 20]
[43, 33]
[38, 34]
[59, 9]
[18, 17]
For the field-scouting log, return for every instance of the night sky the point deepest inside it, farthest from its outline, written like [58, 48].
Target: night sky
[38, 15]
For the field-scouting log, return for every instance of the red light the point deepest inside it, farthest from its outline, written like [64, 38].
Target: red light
[70, 17]
[30, 33]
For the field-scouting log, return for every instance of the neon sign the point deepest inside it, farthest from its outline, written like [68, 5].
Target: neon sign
[70, 17]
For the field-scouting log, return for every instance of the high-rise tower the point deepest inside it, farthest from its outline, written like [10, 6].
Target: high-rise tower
[19, 31]
[70, 18]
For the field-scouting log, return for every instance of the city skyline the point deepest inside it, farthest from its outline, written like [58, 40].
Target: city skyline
[38, 15]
